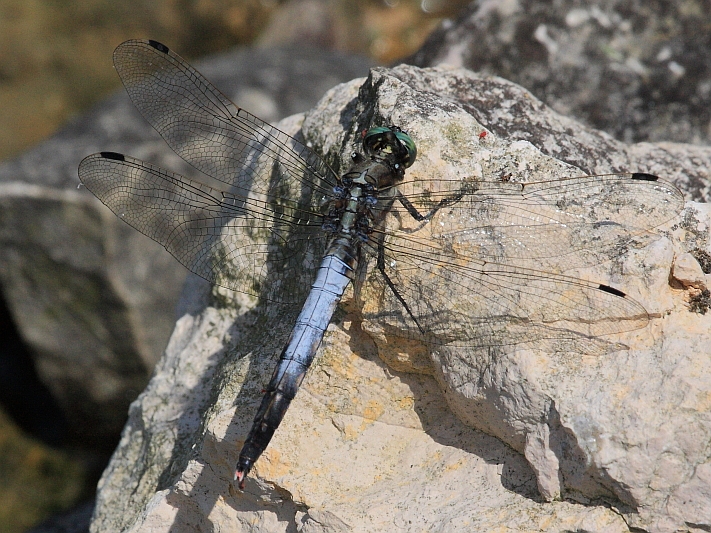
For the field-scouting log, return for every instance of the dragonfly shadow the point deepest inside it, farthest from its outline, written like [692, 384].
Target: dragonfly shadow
[212, 483]
[250, 337]
[439, 422]
[258, 335]
[486, 410]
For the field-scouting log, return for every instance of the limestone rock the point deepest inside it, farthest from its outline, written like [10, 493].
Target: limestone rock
[453, 440]
[688, 272]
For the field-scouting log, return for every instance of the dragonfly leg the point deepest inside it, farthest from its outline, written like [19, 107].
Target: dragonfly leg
[381, 268]
[414, 213]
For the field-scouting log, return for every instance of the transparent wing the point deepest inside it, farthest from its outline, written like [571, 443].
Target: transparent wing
[264, 246]
[475, 303]
[475, 272]
[559, 224]
[207, 130]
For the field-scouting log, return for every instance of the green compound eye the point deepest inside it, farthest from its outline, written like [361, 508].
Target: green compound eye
[409, 144]
[376, 138]
[376, 131]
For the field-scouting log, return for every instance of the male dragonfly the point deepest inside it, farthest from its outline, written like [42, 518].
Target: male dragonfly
[271, 219]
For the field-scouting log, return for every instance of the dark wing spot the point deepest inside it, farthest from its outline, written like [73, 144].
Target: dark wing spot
[113, 155]
[158, 46]
[612, 290]
[644, 176]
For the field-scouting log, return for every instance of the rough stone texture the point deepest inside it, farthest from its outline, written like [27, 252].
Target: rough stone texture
[639, 70]
[454, 440]
[688, 272]
[94, 299]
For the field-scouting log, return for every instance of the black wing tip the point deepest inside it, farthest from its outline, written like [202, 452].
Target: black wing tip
[612, 290]
[113, 155]
[158, 46]
[643, 176]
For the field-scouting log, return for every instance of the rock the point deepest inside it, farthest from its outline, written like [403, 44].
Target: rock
[688, 272]
[639, 71]
[456, 439]
[94, 299]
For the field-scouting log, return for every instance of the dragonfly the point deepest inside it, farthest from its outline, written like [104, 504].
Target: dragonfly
[270, 218]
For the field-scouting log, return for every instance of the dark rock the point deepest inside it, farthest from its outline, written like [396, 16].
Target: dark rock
[75, 520]
[24, 396]
[640, 71]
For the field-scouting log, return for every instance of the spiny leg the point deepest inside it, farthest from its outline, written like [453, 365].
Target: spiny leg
[444, 202]
[381, 268]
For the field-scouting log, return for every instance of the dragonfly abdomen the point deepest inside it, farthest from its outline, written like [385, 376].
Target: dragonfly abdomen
[331, 281]
[349, 216]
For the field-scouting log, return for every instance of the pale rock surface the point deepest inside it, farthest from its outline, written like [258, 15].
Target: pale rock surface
[453, 440]
[688, 272]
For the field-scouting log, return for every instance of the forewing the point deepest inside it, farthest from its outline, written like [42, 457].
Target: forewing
[255, 244]
[558, 224]
[206, 129]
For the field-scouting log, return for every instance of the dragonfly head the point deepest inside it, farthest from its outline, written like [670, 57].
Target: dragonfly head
[386, 140]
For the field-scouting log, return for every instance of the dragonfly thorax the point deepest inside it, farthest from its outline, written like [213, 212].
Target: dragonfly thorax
[366, 190]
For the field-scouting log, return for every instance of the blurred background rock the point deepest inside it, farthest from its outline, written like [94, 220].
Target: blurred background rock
[55, 62]
[55, 57]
